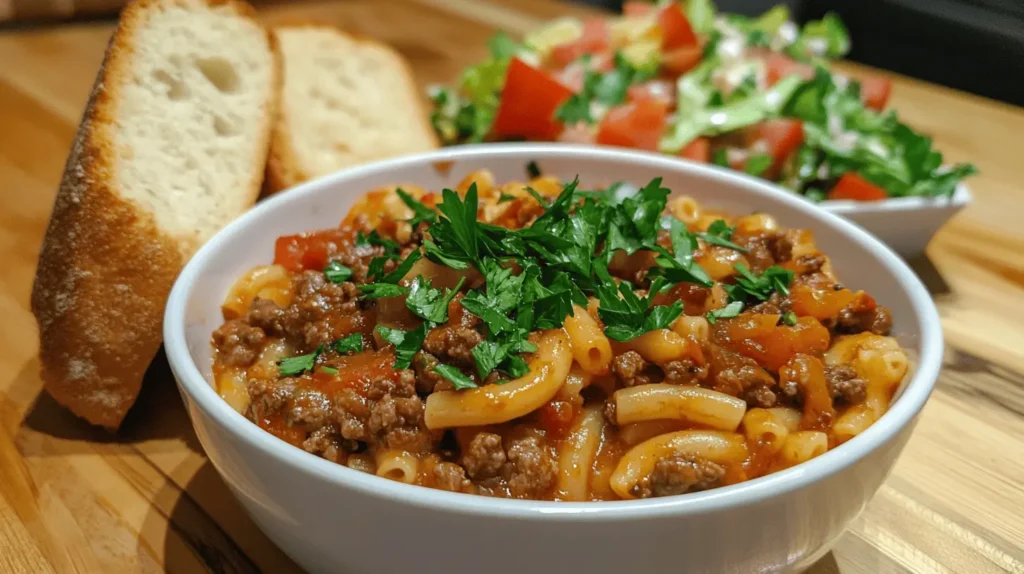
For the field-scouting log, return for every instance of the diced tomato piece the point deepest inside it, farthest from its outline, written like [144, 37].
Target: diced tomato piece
[528, 103]
[637, 125]
[783, 136]
[760, 337]
[678, 61]
[676, 31]
[821, 304]
[306, 251]
[556, 418]
[874, 90]
[595, 39]
[697, 150]
[355, 372]
[779, 66]
[632, 8]
[661, 90]
[855, 187]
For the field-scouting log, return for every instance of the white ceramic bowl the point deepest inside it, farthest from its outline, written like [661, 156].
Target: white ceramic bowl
[333, 519]
[906, 224]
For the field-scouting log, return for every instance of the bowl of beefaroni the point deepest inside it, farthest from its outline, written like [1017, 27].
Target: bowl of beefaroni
[503, 354]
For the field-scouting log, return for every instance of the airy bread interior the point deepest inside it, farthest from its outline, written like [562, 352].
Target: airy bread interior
[346, 101]
[186, 139]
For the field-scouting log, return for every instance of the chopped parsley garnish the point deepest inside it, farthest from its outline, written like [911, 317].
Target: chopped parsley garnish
[629, 316]
[382, 290]
[351, 344]
[428, 303]
[400, 271]
[337, 273]
[533, 277]
[329, 370]
[719, 233]
[789, 318]
[297, 365]
[373, 239]
[750, 286]
[406, 343]
[459, 380]
[728, 312]
[421, 213]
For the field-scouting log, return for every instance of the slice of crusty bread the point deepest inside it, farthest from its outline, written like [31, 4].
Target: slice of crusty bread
[344, 101]
[172, 146]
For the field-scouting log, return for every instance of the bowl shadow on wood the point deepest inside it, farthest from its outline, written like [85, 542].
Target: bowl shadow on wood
[158, 414]
[207, 530]
[928, 274]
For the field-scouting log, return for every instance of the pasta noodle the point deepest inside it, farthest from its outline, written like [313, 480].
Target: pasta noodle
[266, 282]
[685, 209]
[761, 426]
[662, 346]
[397, 465]
[695, 328]
[576, 458]
[635, 433]
[493, 404]
[802, 446]
[693, 404]
[574, 385]
[714, 446]
[590, 347]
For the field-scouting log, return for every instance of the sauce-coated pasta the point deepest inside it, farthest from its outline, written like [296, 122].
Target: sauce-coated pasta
[533, 340]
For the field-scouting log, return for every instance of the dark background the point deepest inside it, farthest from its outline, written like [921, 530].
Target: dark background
[972, 45]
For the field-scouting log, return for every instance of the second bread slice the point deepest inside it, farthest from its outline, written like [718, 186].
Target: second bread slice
[344, 101]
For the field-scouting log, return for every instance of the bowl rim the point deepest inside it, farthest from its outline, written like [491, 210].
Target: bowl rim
[199, 392]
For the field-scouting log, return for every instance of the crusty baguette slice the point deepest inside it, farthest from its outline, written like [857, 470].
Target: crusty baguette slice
[172, 146]
[344, 101]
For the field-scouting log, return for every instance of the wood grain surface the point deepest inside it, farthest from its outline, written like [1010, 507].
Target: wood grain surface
[76, 499]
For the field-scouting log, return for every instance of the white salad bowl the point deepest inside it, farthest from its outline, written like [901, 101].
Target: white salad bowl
[330, 518]
[906, 224]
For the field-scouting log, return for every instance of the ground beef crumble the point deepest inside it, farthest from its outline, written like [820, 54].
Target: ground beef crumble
[679, 475]
[238, 343]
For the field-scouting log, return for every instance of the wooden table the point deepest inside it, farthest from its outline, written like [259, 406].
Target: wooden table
[75, 499]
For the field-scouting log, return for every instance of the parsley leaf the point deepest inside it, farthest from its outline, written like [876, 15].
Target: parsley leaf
[337, 273]
[789, 318]
[504, 197]
[487, 355]
[719, 233]
[761, 287]
[680, 266]
[459, 380]
[329, 370]
[628, 316]
[502, 293]
[728, 312]
[403, 268]
[458, 229]
[297, 365]
[382, 290]
[429, 303]
[374, 239]
[351, 344]
[406, 343]
[421, 213]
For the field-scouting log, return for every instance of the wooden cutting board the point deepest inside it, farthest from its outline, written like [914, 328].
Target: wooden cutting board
[76, 499]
